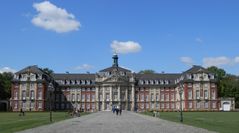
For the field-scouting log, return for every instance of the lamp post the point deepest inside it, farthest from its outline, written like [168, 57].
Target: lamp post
[50, 89]
[181, 108]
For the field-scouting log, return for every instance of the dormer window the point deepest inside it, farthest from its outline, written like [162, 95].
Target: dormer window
[156, 82]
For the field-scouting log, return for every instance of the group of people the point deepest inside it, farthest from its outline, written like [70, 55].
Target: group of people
[116, 110]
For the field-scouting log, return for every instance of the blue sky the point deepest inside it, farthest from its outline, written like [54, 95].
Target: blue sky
[81, 35]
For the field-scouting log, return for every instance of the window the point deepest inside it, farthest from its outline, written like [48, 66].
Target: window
[73, 97]
[24, 95]
[32, 104]
[93, 97]
[167, 105]
[198, 105]
[32, 94]
[32, 86]
[83, 98]
[162, 97]
[15, 105]
[101, 97]
[157, 97]
[68, 97]
[190, 105]
[39, 105]
[213, 85]
[62, 97]
[62, 106]
[93, 105]
[205, 94]
[167, 96]
[162, 105]
[147, 105]
[142, 106]
[24, 104]
[16, 95]
[172, 96]
[39, 94]
[213, 94]
[197, 94]
[88, 106]
[142, 97]
[152, 97]
[88, 97]
[152, 105]
[206, 105]
[147, 97]
[172, 105]
[189, 84]
[157, 105]
[78, 97]
[190, 92]
[214, 105]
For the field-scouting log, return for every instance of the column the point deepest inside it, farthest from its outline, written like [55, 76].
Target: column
[132, 98]
[97, 98]
[103, 100]
[126, 98]
[111, 98]
[119, 96]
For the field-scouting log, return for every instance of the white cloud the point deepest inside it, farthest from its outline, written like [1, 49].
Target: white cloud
[217, 61]
[7, 69]
[187, 60]
[236, 59]
[199, 40]
[125, 47]
[51, 17]
[84, 67]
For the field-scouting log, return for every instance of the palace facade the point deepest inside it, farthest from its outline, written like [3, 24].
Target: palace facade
[114, 86]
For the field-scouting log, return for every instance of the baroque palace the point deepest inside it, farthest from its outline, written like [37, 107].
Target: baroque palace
[114, 86]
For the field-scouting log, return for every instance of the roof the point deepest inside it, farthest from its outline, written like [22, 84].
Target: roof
[31, 69]
[66, 76]
[197, 69]
[110, 69]
[158, 76]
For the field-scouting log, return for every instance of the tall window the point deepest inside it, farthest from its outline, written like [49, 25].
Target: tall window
[32, 94]
[198, 105]
[78, 97]
[190, 92]
[142, 97]
[214, 105]
[190, 104]
[167, 96]
[213, 94]
[197, 94]
[205, 94]
[24, 95]
[62, 97]
[32, 104]
[39, 94]
[172, 96]
[16, 94]
[88, 97]
[93, 97]
[82, 97]
[157, 97]
[206, 105]
[162, 97]
[152, 97]
[147, 97]
[73, 97]
[39, 105]
[24, 104]
[172, 105]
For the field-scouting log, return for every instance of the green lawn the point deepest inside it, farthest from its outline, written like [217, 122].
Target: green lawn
[11, 122]
[223, 122]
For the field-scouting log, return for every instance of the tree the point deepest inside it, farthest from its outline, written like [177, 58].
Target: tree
[146, 71]
[5, 85]
[47, 71]
[220, 73]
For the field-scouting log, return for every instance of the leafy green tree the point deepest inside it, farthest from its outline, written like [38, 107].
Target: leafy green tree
[47, 70]
[5, 85]
[146, 71]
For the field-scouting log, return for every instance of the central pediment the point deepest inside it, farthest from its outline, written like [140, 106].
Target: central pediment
[116, 79]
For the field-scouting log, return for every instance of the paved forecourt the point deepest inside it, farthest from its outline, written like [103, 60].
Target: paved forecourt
[107, 122]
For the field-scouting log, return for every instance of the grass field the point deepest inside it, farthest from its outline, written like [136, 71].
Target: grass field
[11, 122]
[223, 122]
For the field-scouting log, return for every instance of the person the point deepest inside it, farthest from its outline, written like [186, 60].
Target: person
[117, 111]
[22, 113]
[113, 109]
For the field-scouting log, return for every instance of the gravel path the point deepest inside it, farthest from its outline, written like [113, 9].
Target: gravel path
[106, 122]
